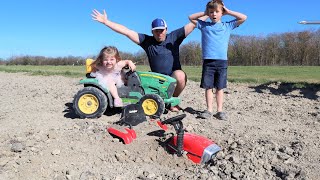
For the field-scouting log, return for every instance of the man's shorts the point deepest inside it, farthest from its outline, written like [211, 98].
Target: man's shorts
[214, 74]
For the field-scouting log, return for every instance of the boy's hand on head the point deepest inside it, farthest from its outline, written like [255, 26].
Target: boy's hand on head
[225, 10]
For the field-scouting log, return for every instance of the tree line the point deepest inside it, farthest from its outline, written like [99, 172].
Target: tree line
[285, 49]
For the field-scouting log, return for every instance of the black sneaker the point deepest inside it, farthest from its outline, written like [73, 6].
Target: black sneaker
[221, 116]
[205, 114]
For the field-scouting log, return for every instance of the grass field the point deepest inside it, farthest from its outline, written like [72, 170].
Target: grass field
[247, 74]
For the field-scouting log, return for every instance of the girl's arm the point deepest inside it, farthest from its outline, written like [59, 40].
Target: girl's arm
[123, 63]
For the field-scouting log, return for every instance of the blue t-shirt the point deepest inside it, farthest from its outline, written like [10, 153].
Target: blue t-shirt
[163, 56]
[215, 38]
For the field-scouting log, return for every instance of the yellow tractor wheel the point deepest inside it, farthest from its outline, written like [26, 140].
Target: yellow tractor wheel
[152, 105]
[90, 102]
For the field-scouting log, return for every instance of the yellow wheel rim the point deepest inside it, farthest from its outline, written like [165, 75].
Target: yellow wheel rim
[149, 106]
[88, 104]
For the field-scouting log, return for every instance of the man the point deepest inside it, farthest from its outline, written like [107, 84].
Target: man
[162, 49]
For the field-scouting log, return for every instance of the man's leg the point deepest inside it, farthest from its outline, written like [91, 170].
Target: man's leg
[181, 78]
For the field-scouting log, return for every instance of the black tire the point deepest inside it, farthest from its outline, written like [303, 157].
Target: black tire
[152, 105]
[90, 102]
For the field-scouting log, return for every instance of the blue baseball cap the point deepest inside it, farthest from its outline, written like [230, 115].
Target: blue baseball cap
[158, 24]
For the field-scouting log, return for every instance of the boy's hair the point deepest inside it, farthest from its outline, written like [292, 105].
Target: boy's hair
[107, 50]
[214, 4]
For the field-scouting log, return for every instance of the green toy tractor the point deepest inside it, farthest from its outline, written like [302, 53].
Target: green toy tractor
[152, 91]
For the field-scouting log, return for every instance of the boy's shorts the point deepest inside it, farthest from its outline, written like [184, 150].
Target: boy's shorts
[214, 74]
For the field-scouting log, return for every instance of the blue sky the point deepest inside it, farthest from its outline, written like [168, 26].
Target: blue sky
[55, 28]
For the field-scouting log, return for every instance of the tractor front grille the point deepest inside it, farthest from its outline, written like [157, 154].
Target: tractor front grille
[161, 81]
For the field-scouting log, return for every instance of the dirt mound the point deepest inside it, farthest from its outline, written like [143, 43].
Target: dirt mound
[269, 135]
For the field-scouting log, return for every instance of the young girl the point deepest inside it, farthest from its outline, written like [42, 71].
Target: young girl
[107, 69]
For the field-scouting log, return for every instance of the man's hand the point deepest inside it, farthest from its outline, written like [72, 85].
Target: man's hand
[97, 16]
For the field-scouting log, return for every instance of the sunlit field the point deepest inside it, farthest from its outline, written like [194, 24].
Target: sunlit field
[247, 74]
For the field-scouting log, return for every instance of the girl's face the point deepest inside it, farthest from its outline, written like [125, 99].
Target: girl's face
[215, 14]
[109, 61]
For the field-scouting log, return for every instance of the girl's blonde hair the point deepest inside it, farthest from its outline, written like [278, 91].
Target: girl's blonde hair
[107, 50]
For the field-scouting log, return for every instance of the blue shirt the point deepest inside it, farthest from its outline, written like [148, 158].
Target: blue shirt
[215, 38]
[163, 56]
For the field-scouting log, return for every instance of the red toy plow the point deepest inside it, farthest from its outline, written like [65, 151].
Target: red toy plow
[198, 149]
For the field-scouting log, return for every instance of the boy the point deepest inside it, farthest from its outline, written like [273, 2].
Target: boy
[215, 40]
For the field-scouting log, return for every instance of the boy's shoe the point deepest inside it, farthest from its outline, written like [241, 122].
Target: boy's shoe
[118, 102]
[205, 114]
[221, 116]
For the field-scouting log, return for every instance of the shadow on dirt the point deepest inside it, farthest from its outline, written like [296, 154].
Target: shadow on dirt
[164, 145]
[113, 111]
[191, 110]
[163, 139]
[69, 111]
[305, 90]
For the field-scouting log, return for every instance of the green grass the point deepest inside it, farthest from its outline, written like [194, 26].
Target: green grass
[263, 74]
[240, 74]
[68, 71]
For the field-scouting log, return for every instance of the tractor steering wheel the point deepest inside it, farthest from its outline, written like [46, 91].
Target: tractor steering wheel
[174, 119]
[127, 72]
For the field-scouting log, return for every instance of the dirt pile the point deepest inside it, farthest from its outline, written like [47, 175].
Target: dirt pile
[269, 135]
